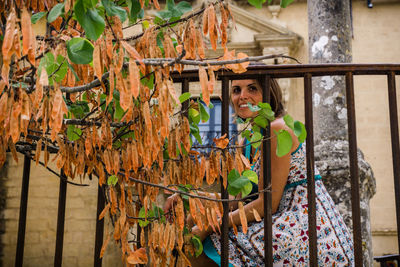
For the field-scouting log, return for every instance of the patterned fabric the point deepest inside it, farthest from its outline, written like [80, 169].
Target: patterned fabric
[290, 228]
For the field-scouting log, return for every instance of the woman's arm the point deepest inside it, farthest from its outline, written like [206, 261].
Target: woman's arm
[279, 173]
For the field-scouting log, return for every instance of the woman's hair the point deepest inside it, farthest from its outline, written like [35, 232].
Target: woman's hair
[276, 100]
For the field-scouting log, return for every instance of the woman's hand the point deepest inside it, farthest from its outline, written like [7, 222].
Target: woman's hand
[169, 206]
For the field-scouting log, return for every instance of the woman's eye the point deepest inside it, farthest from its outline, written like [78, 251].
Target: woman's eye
[236, 90]
[253, 89]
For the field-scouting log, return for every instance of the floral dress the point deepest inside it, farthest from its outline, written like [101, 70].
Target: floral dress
[290, 228]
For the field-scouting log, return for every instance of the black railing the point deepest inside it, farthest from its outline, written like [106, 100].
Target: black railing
[264, 74]
[307, 72]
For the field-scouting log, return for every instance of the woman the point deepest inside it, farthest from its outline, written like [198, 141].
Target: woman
[289, 203]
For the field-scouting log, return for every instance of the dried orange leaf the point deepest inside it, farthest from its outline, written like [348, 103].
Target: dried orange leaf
[180, 213]
[246, 162]
[243, 219]
[256, 215]
[105, 210]
[134, 78]
[103, 248]
[133, 53]
[204, 85]
[138, 256]
[221, 142]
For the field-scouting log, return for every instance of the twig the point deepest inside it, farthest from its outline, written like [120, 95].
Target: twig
[191, 195]
[52, 171]
[167, 24]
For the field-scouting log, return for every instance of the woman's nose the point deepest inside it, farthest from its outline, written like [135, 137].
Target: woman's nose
[243, 94]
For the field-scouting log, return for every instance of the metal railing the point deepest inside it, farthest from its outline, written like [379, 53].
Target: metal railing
[264, 74]
[307, 72]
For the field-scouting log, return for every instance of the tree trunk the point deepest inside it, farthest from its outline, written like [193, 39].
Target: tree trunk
[330, 38]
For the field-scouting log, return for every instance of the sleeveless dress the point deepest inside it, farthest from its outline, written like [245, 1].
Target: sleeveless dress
[290, 228]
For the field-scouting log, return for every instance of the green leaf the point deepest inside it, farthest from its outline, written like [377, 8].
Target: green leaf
[236, 182]
[183, 7]
[204, 116]
[78, 109]
[73, 71]
[236, 186]
[119, 112]
[173, 12]
[253, 108]
[80, 50]
[251, 175]
[300, 131]
[194, 115]
[284, 143]
[136, 10]
[55, 12]
[73, 133]
[62, 70]
[198, 245]
[90, 19]
[246, 189]
[261, 121]
[246, 134]
[267, 113]
[285, 3]
[264, 105]
[256, 3]
[37, 16]
[112, 180]
[289, 121]
[256, 138]
[185, 96]
[233, 175]
[114, 10]
[145, 222]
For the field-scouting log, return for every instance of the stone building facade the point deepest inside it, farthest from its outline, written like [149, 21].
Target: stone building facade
[270, 30]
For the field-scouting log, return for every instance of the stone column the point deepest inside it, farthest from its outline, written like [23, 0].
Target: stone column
[330, 38]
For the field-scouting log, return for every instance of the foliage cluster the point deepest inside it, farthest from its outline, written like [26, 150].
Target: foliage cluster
[105, 105]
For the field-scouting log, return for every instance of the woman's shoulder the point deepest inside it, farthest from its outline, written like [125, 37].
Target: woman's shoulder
[279, 124]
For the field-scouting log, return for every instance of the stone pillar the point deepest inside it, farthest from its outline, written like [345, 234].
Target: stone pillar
[330, 37]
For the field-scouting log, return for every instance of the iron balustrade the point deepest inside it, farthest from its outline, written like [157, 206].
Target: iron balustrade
[264, 74]
[307, 72]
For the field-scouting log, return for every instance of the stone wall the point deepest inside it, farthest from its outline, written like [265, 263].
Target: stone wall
[40, 238]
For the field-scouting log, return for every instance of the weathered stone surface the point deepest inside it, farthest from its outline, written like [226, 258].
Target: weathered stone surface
[329, 27]
[330, 41]
[332, 161]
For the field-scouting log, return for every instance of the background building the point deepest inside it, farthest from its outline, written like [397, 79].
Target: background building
[270, 30]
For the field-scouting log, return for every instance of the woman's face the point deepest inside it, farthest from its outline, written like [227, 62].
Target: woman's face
[243, 92]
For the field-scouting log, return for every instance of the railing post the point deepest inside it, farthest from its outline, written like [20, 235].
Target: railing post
[19, 255]
[62, 197]
[266, 161]
[312, 227]
[394, 131]
[355, 187]
[99, 227]
[224, 192]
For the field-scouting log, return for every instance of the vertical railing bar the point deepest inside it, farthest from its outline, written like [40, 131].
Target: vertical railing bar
[266, 157]
[185, 89]
[19, 256]
[99, 227]
[355, 195]
[62, 197]
[224, 192]
[394, 131]
[312, 227]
